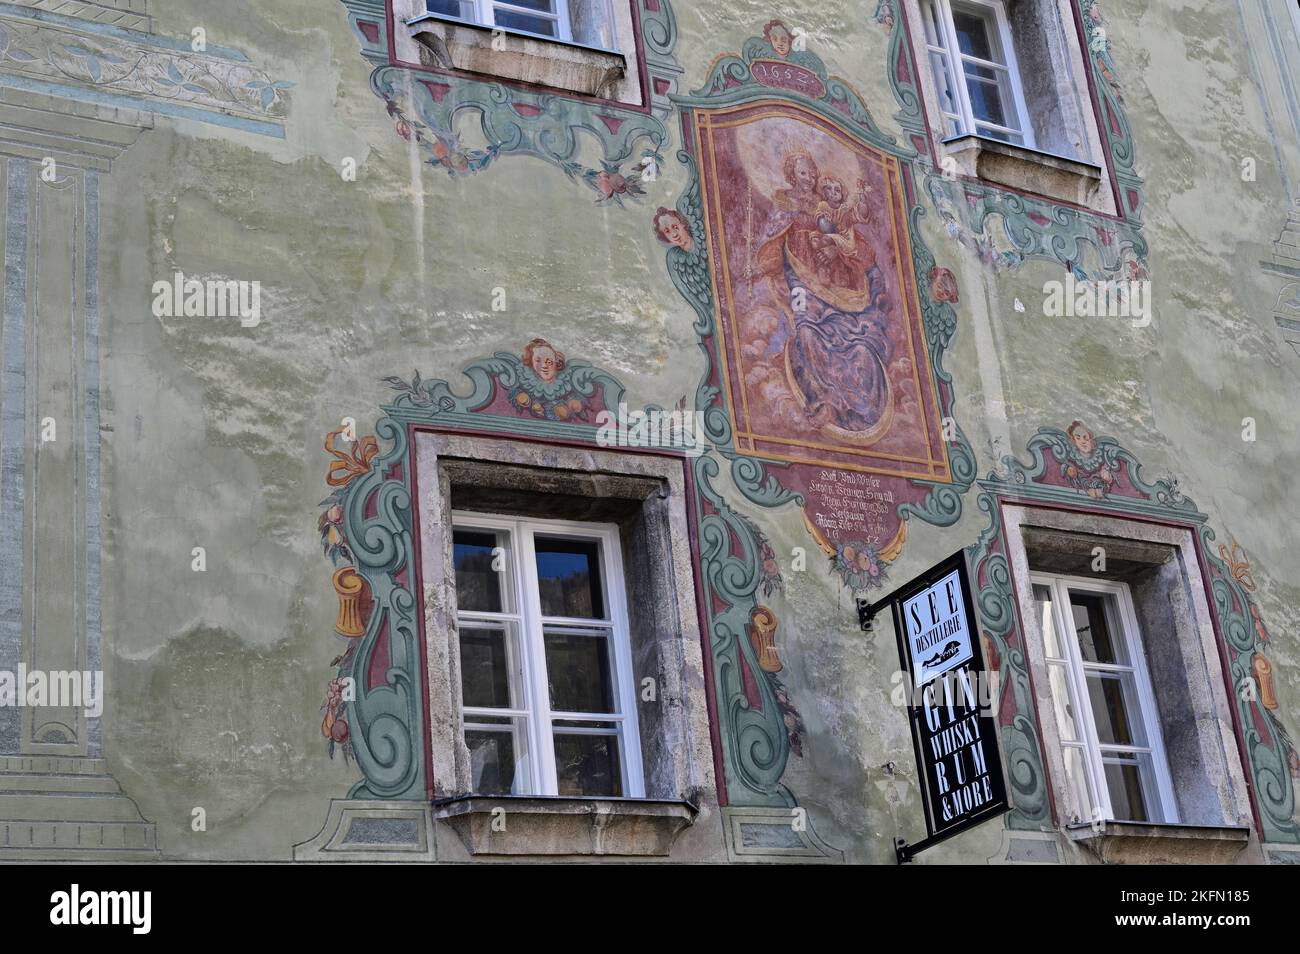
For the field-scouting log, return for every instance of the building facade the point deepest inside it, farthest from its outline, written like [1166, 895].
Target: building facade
[461, 430]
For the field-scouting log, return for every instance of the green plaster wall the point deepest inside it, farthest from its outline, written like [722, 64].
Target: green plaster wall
[212, 433]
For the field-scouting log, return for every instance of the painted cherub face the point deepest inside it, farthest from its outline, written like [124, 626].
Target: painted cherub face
[943, 287]
[1083, 440]
[779, 37]
[675, 232]
[545, 364]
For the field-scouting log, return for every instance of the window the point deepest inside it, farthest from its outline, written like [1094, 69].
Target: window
[1111, 745]
[1008, 100]
[546, 672]
[975, 72]
[554, 584]
[587, 22]
[588, 47]
[1101, 646]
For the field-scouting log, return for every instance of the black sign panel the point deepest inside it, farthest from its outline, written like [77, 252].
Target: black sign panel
[950, 700]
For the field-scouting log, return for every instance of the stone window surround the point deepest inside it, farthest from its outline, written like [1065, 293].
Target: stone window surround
[431, 42]
[1085, 181]
[1161, 562]
[646, 494]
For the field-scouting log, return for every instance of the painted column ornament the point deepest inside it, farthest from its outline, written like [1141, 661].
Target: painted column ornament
[762, 635]
[351, 590]
[1264, 678]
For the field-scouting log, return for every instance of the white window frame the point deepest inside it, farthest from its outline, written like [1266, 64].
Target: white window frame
[939, 15]
[1162, 799]
[483, 12]
[529, 623]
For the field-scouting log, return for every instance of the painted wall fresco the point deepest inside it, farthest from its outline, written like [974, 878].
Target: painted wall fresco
[73, 58]
[824, 356]
[216, 700]
[824, 319]
[822, 336]
[821, 340]
[136, 65]
[539, 383]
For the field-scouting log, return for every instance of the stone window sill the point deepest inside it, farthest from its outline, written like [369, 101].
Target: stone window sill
[1028, 170]
[541, 825]
[451, 44]
[1126, 843]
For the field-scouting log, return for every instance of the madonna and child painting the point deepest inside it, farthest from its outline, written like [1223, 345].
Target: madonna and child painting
[820, 333]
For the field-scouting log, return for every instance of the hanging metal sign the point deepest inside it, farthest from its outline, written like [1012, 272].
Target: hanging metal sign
[949, 701]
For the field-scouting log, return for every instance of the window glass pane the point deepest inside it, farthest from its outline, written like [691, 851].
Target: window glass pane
[985, 74]
[450, 8]
[1114, 708]
[545, 6]
[1098, 642]
[1062, 702]
[943, 83]
[985, 99]
[1081, 805]
[1124, 781]
[578, 671]
[568, 577]
[497, 755]
[931, 24]
[1047, 620]
[488, 664]
[590, 23]
[479, 556]
[990, 133]
[586, 760]
[526, 23]
[975, 35]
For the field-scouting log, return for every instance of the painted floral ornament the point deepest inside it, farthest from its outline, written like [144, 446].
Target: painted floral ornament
[610, 182]
[334, 727]
[443, 146]
[859, 565]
